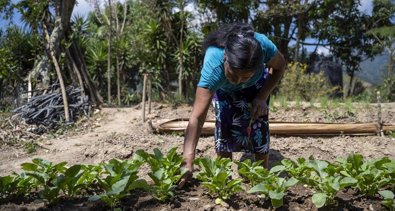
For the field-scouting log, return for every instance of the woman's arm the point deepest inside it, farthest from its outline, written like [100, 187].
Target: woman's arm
[196, 121]
[259, 103]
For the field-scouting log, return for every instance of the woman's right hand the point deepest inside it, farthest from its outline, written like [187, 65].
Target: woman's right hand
[188, 175]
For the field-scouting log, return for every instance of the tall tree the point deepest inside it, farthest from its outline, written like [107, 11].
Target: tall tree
[38, 15]
[384, 33]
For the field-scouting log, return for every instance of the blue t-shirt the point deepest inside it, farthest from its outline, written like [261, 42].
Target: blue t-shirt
[213, 75]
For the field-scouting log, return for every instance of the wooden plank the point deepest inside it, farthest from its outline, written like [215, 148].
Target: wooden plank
[287, 128]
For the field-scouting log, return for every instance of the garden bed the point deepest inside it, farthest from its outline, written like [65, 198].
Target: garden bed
[119, 133]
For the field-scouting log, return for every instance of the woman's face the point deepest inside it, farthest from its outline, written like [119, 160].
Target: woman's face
[236, 76]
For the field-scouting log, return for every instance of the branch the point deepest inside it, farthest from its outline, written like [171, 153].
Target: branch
[125, 9]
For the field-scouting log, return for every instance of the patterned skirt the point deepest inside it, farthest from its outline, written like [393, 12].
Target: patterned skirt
[233, 115]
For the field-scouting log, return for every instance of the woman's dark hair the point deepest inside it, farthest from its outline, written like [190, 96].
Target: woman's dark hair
[243, 51]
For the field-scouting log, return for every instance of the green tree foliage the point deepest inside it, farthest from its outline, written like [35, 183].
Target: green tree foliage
[296, 83]
[158, 37]
[384, 36]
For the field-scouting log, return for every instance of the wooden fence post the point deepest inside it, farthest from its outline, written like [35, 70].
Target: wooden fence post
[144, 94]
[149, 93]
[379, 118]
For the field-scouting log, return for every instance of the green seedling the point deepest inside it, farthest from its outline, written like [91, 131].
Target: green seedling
[45, 175]
[326, 181]
[274, 188]
[16, 185]
[166, 171]
[215, 175]
[321, 176]
[254, 172]
[370, 175]
[389, 199]
[117, 180]
[72, 181]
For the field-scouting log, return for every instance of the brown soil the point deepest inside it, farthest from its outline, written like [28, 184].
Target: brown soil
[119, 132]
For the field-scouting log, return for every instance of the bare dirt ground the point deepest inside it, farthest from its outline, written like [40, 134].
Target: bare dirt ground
[119, 132]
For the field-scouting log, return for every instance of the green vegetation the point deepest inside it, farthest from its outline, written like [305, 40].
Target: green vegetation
[120, 40]
[165, 171]
[216, 176]
[114, 180]
[306, 86]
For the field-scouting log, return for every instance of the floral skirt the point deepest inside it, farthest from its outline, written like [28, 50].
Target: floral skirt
[233, 115]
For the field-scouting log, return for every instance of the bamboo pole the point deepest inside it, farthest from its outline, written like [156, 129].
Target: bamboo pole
[144, 95]
[287, 128]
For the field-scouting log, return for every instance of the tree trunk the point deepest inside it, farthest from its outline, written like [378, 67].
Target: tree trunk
[109, 55]
[80, 62]
[59, 74]
[390, 70]
[350, 88]
[118, 81]
[63, 9]
[77, 72]
[180, 77]
[181, 46]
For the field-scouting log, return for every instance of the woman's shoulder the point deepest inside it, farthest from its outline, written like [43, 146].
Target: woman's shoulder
[263, 39]
[214, 54]
[267, 46]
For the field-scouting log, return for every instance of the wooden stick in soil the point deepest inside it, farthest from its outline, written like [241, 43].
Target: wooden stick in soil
[379, 120]
[144, 93]
[149, 93]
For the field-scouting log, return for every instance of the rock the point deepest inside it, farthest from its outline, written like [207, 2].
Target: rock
[194, 199]
[208, 207]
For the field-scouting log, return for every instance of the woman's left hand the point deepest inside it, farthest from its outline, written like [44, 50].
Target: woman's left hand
[259, 108]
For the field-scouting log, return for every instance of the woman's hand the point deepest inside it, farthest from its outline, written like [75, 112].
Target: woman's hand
[259, 108]
[187, 176]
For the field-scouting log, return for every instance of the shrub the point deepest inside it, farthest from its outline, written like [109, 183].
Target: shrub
[297, 83]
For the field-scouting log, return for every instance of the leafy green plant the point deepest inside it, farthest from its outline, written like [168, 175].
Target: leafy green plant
[72, 181]
[326, 181]
[389, 199]
[370, 175]
[166, 171]
[322, 176]
[215, 175]
[117, 179]
[45, 174]
[131, 98]
[270, 184]
[298, 170]
[89, 181]
[16, 184]
[275, 188]
[253, 171]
